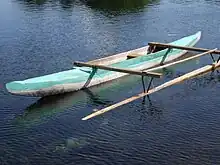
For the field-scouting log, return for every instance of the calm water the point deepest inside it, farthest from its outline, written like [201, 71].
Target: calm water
[179, 125]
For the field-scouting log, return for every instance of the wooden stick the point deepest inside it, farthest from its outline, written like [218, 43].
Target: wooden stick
[133, 55]
[186, 76]
[181, 61]
[142, 73]
[182, 47]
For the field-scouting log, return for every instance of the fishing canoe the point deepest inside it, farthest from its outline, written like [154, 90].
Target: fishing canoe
[84, 77]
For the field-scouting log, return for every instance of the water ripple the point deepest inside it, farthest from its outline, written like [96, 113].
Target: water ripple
[179, 125]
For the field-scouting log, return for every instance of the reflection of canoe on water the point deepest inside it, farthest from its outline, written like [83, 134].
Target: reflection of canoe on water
[84, 77]
[48, 107]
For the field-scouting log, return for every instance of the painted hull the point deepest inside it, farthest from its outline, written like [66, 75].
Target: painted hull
[83, 77]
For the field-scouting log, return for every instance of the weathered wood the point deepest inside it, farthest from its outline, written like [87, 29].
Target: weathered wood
[184, 77]
[129, 71]
[133, 55]
[182, 47]
[181, 61]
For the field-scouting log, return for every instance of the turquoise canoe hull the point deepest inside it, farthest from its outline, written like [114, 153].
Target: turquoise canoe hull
[84, 77]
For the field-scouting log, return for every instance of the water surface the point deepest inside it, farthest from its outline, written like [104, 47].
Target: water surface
[179, 125]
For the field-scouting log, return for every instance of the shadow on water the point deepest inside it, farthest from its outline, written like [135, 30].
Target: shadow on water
[110, 6]
[118, 6]
[98, 96]
[153, 110]
[63, 3]
[33, 2]
[215, 2]
[47, 107]
[149, 110]
[50, 106]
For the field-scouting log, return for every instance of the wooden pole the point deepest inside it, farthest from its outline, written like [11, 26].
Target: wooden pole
[182, 47]
[133, 55]
[142, 73]
[181, 61]
[184, 77]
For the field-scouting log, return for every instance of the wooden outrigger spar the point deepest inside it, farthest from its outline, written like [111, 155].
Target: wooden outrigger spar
[129, 71]
[181, 47]
[181, 61]
[184, 77]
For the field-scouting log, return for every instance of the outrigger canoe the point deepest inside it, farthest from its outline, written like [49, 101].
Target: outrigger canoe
[84, 77]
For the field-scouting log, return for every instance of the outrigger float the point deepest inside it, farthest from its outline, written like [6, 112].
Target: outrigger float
[143, 61]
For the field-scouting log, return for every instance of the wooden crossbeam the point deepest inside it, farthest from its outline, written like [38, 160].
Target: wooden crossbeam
[181, 47]
[129, 71]
[184, 77]
[181, 61]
